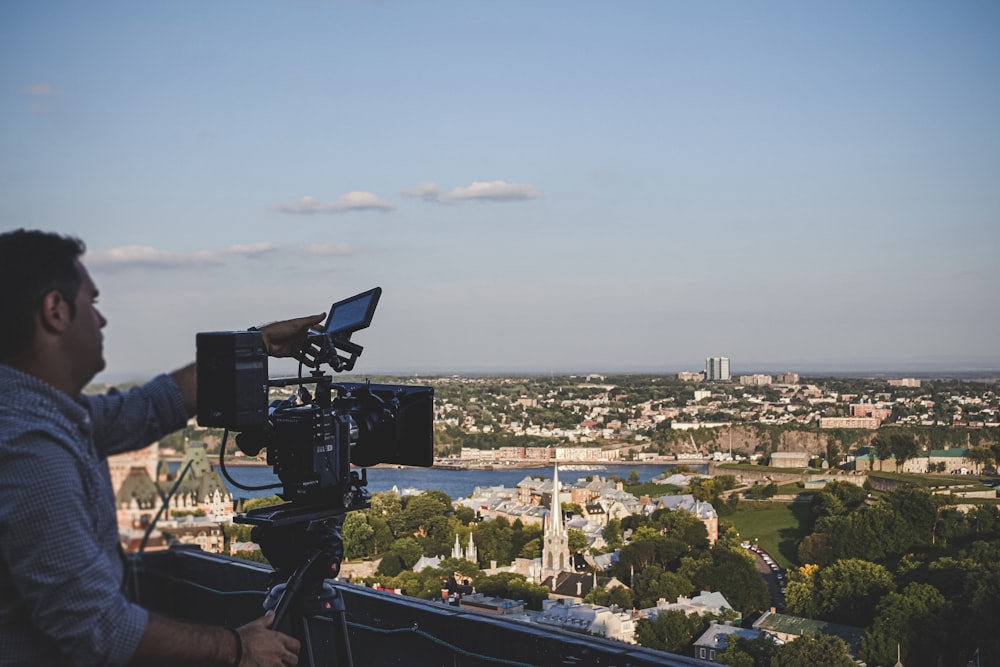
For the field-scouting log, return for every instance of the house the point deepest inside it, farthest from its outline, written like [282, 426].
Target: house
[705, 603]
[609, 622]
[790, 459]
[716, 638]
[786, 628]
[575, 586]
[704, 511]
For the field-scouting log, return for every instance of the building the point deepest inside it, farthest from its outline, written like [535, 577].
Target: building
[717, 369]
[612, 623]
[905, 382]
[470, 554]
[755, 380]
[850, 422]
[788, 378]
[190, 509]
[879, 412]
[716, 638]
[787, 628]
[790, 459]
[690, 376]
[706, 603]
[492, 605]
[555, 549]
[687, 503]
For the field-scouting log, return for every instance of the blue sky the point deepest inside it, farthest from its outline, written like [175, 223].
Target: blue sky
[546, 186]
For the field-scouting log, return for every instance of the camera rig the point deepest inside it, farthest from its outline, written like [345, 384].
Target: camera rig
[312, 437]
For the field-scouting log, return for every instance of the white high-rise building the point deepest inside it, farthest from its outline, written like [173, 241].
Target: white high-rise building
[717, 369]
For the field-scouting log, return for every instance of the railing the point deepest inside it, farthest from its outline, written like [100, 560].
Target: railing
[383, 628]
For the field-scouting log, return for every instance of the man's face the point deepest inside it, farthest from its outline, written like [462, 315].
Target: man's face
[84, 337]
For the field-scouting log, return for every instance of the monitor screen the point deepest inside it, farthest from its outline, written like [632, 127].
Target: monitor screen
[352, 314]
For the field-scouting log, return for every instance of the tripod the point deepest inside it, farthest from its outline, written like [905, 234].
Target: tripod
[305, 547]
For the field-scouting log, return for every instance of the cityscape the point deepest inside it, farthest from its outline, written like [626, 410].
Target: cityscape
[706, 297]
[808, 452]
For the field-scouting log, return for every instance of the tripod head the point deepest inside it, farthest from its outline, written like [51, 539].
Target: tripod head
[304, 545]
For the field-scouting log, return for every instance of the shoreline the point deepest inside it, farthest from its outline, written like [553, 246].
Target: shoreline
[516, 465]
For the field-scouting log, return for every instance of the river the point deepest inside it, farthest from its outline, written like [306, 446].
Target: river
[456, 483]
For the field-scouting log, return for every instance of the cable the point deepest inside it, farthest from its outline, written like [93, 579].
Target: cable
[225, 473]
[413, 629]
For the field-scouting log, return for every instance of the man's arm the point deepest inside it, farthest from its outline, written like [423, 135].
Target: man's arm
[166, 641]
[281, 339]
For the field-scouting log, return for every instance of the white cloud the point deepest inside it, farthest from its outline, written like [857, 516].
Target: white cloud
[495, 191]
[351, 201]
[146, 257]
[253, 249]
[41, 90]
[425, 191]
[330, 250]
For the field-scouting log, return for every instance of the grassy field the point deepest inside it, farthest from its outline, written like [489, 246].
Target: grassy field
[777, 529]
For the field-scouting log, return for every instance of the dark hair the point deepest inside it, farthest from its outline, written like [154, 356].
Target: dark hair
[32, 264]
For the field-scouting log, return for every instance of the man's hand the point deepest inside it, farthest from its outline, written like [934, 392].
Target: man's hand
[286, 338]
[263, 646]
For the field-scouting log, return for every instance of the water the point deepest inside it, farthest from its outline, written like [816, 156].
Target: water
[456, 483]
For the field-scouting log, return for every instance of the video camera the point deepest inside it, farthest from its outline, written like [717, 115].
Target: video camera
[312, 438]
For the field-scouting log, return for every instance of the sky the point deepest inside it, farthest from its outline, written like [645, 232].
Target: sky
[536, 186]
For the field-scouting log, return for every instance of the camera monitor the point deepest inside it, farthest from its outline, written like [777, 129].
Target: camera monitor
[352, 314]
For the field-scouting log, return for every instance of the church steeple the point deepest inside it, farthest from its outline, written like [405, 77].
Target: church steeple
[555, 547]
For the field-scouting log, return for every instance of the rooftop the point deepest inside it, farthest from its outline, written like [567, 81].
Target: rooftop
[382, 628]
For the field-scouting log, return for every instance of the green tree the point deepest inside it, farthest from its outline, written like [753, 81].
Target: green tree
[388, 506]
[513, 587]
[409, 551]
[744, 652]
[672, 631]
[618, 596]
[358, 536]
[613, 533]
[913, 621]
[655, 582]
[495, 540]
[848, 591]
[731, 572]
[825, 650]
[577, 540]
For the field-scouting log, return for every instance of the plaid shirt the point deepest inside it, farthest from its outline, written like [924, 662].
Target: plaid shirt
[61, 571]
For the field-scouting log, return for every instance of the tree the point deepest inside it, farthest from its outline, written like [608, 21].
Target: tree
[409, 551]
[849, 590]
[613, 533]
[671, 631]
[743, 652]
[914, 621]
[655, 583]
[513, 587]
[825, 650]
[495, 540]
[577, 540]
[618, 596]
[731, 572]
[981, 456]
[388, 506]
[418, 511]
[358, 536]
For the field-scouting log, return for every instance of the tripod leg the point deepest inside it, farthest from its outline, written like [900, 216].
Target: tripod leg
[326, 606]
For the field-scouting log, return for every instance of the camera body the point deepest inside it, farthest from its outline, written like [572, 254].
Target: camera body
[314, 436]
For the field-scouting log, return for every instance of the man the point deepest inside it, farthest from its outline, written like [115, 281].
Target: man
[61, 568]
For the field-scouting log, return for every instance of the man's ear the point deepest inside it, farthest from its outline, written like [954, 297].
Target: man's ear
[54, 313]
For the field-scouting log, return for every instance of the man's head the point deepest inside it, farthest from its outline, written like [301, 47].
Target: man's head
[47, 296]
